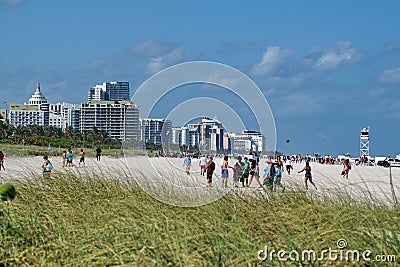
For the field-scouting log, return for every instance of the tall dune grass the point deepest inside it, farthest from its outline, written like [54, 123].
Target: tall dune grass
[90, 220]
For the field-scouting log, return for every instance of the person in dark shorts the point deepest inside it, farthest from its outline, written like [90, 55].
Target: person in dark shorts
[82, 157]
[98, 152]
[70, 157]
[307, 176]
[210, 167]
[254, 173]
[246, 172]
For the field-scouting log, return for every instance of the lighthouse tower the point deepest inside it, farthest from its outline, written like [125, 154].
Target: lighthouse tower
[364, 142]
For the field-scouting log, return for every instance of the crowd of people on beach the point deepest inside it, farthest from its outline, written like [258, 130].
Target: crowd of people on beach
[246, 169]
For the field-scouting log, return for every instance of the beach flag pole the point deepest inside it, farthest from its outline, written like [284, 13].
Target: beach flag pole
[392, 188]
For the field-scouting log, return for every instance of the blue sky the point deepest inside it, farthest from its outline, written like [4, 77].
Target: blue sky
[327, 69]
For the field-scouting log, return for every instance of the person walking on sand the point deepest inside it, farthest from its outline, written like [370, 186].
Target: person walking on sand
[279, 163]
[187, 162]
[2, 161]
[346, 169]
[70, 157]
[47, 167]
[307, 176]
[277, 183]
[288, 163]
[202, 164]
[224, 171]
[254, 173]
[210, 167]
[98, 153]
[269, 173]
[246, 172]
[64, 159]
[82, 157]
[237, 171]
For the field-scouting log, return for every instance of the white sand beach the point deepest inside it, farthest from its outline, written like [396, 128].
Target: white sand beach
[371, 182]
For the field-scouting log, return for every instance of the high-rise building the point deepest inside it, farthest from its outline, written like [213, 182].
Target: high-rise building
[60, 115]
[97, 93]
[38, 99]
[74, 116]
[119, 119]
[180, 136]
[156, 131]
[117, 91]
[109, 91]
[247, 141]
[207, 134]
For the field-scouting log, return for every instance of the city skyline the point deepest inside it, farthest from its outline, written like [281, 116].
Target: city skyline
[108, 109]
[325, 70]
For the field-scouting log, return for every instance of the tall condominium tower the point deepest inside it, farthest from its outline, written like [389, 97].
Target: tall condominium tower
[119, 119]
[109, 91]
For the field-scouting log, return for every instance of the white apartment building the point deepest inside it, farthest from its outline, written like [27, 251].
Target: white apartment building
[247, 141]
[119, 119]
[156, 131]
[207, 135]
[38, 111]
[23, 115]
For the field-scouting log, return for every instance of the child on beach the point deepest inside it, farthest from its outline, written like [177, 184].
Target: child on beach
[307, 176]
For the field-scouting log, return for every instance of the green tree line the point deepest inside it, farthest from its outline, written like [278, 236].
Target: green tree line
[45, 135]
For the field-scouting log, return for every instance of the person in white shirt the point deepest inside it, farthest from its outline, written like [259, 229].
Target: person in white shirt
[202, 164]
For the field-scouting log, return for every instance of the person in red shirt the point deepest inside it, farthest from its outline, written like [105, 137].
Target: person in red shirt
[2, 160]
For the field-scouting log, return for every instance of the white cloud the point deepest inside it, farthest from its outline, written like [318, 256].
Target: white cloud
[151, 47]
[168, 59]
[150, 55]
[278, 68]
[13, 3]
[391, 76]
[95, 64]
[272, 61]
[340, 54]
[298, 104]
